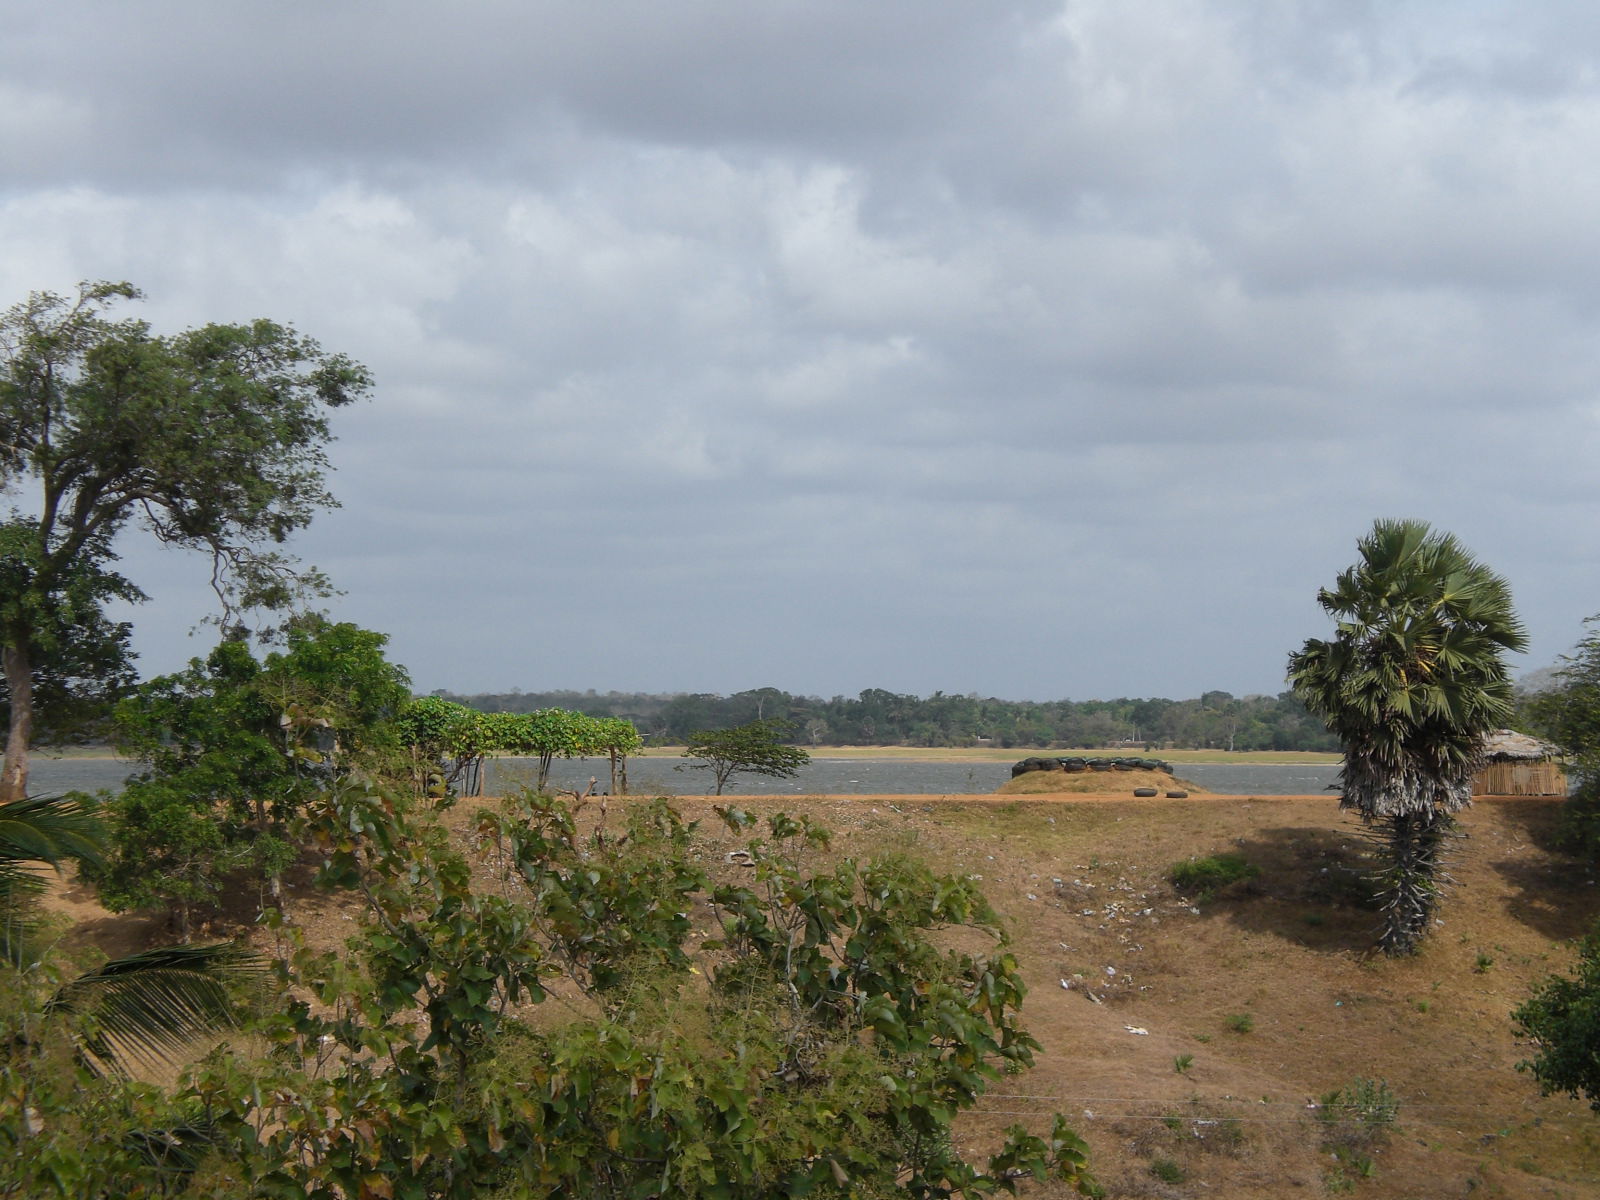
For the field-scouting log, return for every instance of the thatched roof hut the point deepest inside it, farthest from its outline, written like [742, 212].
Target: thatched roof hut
[1519, 765]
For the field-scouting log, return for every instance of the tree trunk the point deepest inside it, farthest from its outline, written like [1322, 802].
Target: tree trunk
[1411, 878]
[19, 681]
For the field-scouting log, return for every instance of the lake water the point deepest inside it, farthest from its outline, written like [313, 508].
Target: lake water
[867, 776]
[822, 776]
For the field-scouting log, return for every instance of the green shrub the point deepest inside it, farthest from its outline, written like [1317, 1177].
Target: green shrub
[1563, 1018]
[1204, 877]
[1167, 1171]
[1240, 1022]
[1358, 1114]
[819, 1043]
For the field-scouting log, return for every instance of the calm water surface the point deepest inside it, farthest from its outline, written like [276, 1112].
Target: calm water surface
[867, 776]
[822, 776]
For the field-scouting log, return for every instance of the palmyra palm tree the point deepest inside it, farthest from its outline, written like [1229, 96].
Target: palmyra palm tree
[1410, 684]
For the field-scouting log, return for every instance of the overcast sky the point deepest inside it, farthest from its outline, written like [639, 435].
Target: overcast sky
[1034, 349]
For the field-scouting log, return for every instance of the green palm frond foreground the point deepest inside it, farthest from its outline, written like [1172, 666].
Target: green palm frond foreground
[38, 831]
[50, 830]
[150, 1009]
[141, 1011]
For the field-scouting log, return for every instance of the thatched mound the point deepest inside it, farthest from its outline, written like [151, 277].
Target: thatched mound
[1043, 783]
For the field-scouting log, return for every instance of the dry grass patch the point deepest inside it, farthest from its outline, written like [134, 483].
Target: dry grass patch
[1043, 783]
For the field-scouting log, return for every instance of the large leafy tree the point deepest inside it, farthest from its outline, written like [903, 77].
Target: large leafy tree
[1410, 683]
[212, 439]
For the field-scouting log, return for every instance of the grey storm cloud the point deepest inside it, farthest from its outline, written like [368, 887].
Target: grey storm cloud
[1038, 349]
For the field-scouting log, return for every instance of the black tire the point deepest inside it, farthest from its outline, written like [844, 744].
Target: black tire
[1144, 791]
[1177, 795]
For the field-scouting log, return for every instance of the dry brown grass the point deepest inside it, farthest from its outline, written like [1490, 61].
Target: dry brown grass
[1082, 882]
[1047, 783]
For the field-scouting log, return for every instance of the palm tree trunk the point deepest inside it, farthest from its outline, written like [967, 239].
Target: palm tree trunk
[1411, 878]
[19, 683]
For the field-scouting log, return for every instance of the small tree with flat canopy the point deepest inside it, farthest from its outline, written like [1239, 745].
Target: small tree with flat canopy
[753, 749]
[212, 439]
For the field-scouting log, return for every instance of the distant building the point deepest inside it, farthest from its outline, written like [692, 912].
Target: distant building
[1519, 765]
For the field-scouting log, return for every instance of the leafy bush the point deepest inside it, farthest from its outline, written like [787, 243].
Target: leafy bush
[1203, 878]
[1360, 1113]
[819, 1042]
[1167, 1171]
[1563, 1017]
[234, 751]
[1569, 714]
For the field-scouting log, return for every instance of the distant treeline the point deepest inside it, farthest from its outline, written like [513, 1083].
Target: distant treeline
[1217, 720]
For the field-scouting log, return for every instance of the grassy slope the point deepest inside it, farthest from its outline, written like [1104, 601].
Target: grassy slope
[1082, 882]
[1290, 949]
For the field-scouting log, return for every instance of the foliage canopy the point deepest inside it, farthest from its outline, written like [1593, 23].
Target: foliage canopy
[783, 1030]
[212, 439]
[754, 749]
[1570, 715]
[234, 750]
[1563, 1017]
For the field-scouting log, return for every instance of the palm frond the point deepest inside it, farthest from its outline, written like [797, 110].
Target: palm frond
[47, 830]
[150, 1008]
[50, 829]
[1414, 677]
[20, 891]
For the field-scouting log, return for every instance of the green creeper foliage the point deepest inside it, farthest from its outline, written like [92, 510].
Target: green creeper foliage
[454, 741]
[1563, 1018]
[552, 733]
[754, 749]
[425, 729]
[1410, 683]
[617, 739]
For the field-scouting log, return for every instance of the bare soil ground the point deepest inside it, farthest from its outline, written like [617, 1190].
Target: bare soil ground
[1189, 1042]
